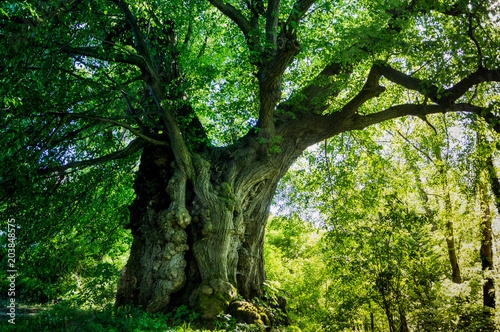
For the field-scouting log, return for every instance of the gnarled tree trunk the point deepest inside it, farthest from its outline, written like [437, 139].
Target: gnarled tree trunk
[200, 242]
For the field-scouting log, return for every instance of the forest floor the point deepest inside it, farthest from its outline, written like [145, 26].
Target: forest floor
[29, 310]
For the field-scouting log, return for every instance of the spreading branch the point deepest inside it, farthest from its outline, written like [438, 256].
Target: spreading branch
[470, 33]
[370, 90]
[446, 97]
[179, 148]
[178, 145]
[359, 122]
[299, 9]
[132, 148]
[314, 98]
[111, 121]
[237, 17]
[285, 45]
[272, 13]
[141, 46]
[96, 53]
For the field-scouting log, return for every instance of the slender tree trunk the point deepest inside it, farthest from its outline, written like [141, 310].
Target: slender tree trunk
[403, 323]
[486, 250]
[450, 237]
[494, 181]
[452, 254]
[439, 163]
[383, 285]
[372, 320]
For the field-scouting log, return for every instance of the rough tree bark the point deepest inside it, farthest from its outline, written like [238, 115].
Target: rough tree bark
[201, 241]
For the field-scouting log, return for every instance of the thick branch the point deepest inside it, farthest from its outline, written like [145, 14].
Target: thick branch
[181, 153]
[298, 11]
[272, 14]
[96, 53]
[446, 97]
[132, 148]
[236, 16]
[409, 82]
[141, 45]
[282, 51]
[362, 121]
[313, 99]
[370, 90]
[316, 97]
[481, 75]
[470, 33]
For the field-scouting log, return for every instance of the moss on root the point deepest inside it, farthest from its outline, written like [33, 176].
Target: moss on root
[245, 312]
[213, 298]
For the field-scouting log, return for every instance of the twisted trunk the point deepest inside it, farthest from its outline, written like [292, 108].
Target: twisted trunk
[200, 242]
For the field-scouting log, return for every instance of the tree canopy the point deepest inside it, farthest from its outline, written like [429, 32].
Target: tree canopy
[77, 69]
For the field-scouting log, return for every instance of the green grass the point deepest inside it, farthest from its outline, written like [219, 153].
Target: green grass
[65, 317]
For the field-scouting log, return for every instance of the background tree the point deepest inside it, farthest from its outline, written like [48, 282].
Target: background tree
[431, 148]
[384, 247]
[486, 174]
[96, 90]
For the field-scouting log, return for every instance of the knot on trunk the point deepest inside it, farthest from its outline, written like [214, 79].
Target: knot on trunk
[284, 44]
[179, 215]
[281, 43]
[212, 298]
[293, 45]
[176, 189]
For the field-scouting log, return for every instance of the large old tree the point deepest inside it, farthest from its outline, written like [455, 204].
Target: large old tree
[214, 101]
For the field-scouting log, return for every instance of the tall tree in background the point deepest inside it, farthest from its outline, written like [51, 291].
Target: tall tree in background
[486, 174]
[215, 101]
[432, 152]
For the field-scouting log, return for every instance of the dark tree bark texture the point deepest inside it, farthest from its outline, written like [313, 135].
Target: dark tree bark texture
[201, 241]
[486, 250]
